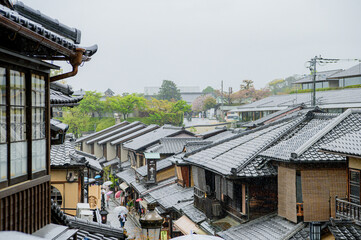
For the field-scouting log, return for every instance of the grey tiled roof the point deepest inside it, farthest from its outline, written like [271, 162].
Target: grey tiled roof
[104, 137]
[127, 175]
[56, 125]
[264, 228]
[239, 151]
[273, 116]
[161, 164]
[136, 134]
[153, 137]
[324, 99]
[86, 229]
[303, 234]
[36, 28]
[212, 132]
[305, 131]
[116, 160]
[192, 146]
[59, 99]
[306, 145]
[104, 131]
[142, 188]
[172, 196]
[349, 144]
[351, 72]
[172, 145]
[193, 213]
[223, 135]
[65, 154]
[343, 229]
[320, 76]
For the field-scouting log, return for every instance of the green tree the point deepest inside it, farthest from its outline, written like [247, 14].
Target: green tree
[181, 106]
[91, 103]
[77, 120]
[209, 102]
[125, 105]
[208, 90]
[247, 84]
[169, 91]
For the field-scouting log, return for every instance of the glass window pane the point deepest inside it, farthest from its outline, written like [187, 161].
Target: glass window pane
[3, 162]
[2, 86]
[38, 118]
[2, 124]
[38, 155]
[38, 90]
[18, 126]
[355, 176]
[18, 157]
[17, 88]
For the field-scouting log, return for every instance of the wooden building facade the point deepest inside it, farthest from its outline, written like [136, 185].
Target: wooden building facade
[25, 112]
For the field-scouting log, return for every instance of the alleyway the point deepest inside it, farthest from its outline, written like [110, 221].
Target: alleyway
[132, 228]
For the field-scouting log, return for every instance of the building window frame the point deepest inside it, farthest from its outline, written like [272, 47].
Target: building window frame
[354, 184]
[18, 124]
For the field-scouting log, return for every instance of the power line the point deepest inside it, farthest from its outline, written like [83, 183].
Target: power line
[321, 61]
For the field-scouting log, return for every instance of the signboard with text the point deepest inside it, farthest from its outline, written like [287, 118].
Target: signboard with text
[152, 170]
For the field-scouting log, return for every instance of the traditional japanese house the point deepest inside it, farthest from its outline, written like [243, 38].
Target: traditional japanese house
[68, 168]
[228, 176]
[91, 148]
[308, 178]
[25, 42]
[137, 146]
[348, 146]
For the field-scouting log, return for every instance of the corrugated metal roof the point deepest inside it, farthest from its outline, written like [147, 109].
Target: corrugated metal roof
[324, 99]
[354, 71]
[320, 76]
[134, 134]
[113, 132]
[104, 131]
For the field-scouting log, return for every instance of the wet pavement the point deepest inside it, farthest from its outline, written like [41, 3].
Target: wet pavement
[133, 230]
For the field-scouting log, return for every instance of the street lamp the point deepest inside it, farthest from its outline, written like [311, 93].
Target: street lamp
[151, 224]
[103, 212]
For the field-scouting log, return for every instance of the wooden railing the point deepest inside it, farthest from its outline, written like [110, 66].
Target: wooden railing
[348, 210]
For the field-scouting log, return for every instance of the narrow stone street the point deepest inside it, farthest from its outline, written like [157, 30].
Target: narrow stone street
[132, 228]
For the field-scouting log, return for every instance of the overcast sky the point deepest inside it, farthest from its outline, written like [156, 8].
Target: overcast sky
[201, 42]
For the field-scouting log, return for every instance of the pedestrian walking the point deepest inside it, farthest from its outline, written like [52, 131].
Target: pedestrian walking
[108, 197]
[122, 218]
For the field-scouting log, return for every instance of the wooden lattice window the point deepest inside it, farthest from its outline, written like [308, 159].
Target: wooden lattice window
[354, 186]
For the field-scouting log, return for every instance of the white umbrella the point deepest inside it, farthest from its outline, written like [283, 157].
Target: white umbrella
[121, 209]
[107, 183]
[197, 237]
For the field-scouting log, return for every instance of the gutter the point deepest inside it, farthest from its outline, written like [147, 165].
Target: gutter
[75, 61]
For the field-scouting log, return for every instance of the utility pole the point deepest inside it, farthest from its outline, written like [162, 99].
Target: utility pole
[312, 66]
[313, 73]
[222, 115]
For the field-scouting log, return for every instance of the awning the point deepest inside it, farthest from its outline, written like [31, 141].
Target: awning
[124, 186]
[186, 226]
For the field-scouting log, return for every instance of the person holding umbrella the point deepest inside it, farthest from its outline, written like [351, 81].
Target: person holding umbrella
[122, 215]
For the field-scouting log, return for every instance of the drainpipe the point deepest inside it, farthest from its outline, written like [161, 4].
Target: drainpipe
[75, 61]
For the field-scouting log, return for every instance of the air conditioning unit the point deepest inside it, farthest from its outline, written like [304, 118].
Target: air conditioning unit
[216, 209]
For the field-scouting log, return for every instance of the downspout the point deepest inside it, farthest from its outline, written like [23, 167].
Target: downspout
[75, 61]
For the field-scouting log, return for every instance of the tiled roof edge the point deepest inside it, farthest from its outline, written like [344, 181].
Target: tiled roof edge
[320, 134]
